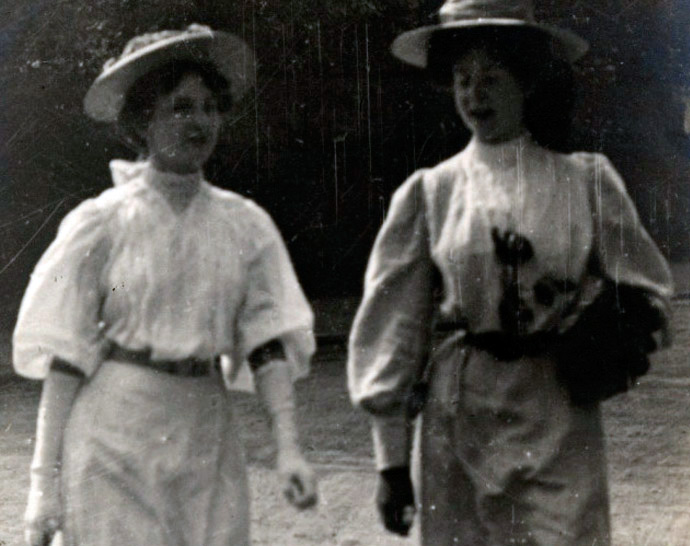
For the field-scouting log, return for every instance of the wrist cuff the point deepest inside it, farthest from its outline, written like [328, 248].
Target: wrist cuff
[391, 436]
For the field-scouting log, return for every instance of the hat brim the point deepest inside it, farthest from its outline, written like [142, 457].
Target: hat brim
[231, 56]
[412, 47]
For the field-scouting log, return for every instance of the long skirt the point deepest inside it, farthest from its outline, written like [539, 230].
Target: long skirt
[503, 457]
[153, 459]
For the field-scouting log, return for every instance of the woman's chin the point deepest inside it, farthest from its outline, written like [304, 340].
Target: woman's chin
[179, 166]
[497, 137]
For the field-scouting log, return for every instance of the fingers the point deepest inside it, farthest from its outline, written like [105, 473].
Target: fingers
[299, 480]
[395, 500]
[300, 489]
[398, 519]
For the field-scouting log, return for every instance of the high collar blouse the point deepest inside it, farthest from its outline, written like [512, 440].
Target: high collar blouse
[508, 238]
[167, 263]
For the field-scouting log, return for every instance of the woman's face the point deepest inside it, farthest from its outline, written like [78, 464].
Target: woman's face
[184, 126]
[488, 97]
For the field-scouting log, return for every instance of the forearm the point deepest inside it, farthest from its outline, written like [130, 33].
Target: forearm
[57, 397]
[274, 386]
[276, 392]
[392, 441]
[44, 510]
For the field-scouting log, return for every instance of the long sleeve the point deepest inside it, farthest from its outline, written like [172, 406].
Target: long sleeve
[274, 305]
[59, 314]
[625, 251]
[390, 338]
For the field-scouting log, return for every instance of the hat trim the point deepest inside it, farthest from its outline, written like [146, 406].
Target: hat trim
[105, 98]
[412, 46]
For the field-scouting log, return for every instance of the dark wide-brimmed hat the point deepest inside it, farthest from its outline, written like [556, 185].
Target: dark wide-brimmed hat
[230, 55]
[460, 18]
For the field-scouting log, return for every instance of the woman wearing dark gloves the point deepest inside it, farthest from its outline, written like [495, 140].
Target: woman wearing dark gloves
[128, 312]
[550, 293]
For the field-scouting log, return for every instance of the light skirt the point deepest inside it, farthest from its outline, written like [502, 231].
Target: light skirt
[153, 459]
[503, 458]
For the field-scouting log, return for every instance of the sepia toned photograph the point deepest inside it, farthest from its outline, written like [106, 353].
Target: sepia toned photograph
[347, 273]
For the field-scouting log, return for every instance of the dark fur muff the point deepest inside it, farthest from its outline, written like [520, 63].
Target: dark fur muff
[607, 349]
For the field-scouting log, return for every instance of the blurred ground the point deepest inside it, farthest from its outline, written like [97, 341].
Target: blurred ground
[648, 433]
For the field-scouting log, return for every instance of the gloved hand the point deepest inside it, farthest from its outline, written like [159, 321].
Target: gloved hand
[395, 499]
[43, 516]
[298, 479]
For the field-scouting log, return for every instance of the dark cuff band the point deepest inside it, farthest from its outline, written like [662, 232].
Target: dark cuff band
[272, 350]
[62, 366]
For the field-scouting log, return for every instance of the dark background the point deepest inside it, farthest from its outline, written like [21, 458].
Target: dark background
[335, 123]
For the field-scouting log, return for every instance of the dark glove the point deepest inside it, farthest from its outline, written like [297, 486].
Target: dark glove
[395, 499]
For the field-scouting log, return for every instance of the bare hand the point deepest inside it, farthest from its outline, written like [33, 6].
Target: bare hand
[298, 479]
[43, 517]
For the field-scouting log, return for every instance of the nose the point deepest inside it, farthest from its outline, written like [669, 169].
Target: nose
[200, 120]
[200, 116]
[476, 90]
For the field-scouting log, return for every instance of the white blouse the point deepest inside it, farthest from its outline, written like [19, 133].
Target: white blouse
[168, 263]
[453, 222]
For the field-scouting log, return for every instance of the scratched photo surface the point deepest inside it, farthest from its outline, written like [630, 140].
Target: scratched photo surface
[334, 125]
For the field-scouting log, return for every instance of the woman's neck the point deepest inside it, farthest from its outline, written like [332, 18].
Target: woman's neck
[501, 154]
[178, 189]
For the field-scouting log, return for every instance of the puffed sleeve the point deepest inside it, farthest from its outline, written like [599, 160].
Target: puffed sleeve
[274, 305]
[59, 313]
[389, 342]
[625, 251]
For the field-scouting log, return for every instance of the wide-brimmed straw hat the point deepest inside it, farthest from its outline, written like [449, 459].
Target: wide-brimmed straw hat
[456, 16]
[230, 55]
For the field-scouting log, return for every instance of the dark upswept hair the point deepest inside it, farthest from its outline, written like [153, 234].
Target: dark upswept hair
[527, 53]
[142, 95]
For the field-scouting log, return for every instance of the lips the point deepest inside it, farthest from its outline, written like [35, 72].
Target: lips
[481, 114]
[198, 139]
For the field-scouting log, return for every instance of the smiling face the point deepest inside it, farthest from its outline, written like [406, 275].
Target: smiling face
[489, 99]
[183, 128]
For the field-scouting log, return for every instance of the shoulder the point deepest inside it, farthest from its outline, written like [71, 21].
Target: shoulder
[242, 210]
[409, 189]
[600, 169]
[94, 213]
[448, 173]
[432, 181]
[587, 160]
[248, 221]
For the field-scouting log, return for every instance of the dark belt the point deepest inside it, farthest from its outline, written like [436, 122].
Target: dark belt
[188, 367]
[505, 346]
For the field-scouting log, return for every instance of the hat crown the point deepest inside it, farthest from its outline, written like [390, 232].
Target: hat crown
[144, 40]
[461, 10]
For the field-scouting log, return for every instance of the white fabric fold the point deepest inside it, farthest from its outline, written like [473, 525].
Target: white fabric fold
[167, 263]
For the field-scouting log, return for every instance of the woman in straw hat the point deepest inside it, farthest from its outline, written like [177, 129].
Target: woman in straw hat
[546, 287]
[129, 310]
